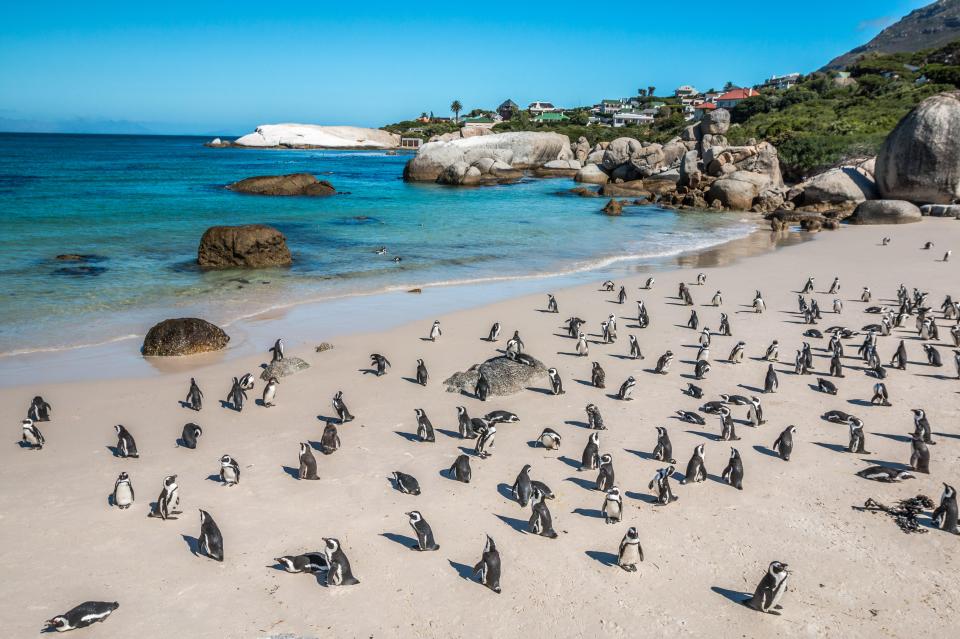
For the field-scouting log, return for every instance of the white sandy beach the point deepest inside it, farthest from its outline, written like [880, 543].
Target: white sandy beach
[855, 573]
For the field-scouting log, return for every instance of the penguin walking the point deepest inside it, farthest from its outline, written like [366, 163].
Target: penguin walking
[552, 304]
[663, 451]
[606, 475]
[435, 331]
[899, 358]
[583, 349]
[424, 426]
[229, 471]
[405, 483]
[189, 435]
[550, 439]
[482, 389]
[270, 392]
[728, 430]
[663, 364]
[123, 492]
[339, 573]
[880, 395]
[126, 446]
[733, 473]
[696, 470]
[784, 443]
[770, 590]
[522, 488]
[425, 540]
[736, 355]
[771, 383]
[701, 368]
[541, 522]
[343, 413]
[308, 463]
[920, 455]
[277, 350]
[30, 436]
[755, 412]
[835, 287]
[461, 471]
[81, 616]
[494, 333]
[622, 295]
[381, 363]
[630, 553]
[945, 515]
[597, 376]
[613, 506]
[626, 389]
[485, 439]
[808, 287]
[662, 481]
[773, 352]
[194, 398]
[556, 384]
[635, 348]
[489, 566]
[590, 459]
[858, 440]
[649, 283]
[169, 499]
[921, 426]
[694, 321]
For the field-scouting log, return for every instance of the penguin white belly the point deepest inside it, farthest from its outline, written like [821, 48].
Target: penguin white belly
[631, 555]
[229, 476]
[611, 509]
[124, 496]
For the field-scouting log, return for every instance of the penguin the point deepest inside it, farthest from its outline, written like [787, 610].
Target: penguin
[573, 326]
[835, 287]
[649, 283]
[696, 470]
[630, 553]
[694, 321]
[626, 389]
[662, 481]
[311, 562]
[945, 515]
[736, 400]
[126, 447]
[464, 425]
[921, 426]
[381, 363]
[169, 499]
[705, 337]
[541, 523]
[343, 413]
[485, 439]
[800, 367]
[461, 471]
[590, 459]
[123, 492]
[308, 463]
[435, 331]
[237, 395]
[770, 590]
[425, 540]
[691, 417]
[421, 373]
[920, 457]
[826, 386]
[755, 412]
[771, 383]
[733, 473]
[933, 355]
[424, 426]
[605, 476]
[519, 345]
[339, 573]
[736, 355]
[31, 437]
[885, 474]
[836, 366]
[927, 246]
[194, 398]
[246, 382]
[837, 417]
[81, 616]
[229, 471]
[489, 566]
[556, 384]
[522, 488]
[482, 389]
[270, 392]
[900, 357]
[635, 349]
[188, 437]
[717, 299]
[277, 350]
[663, 364]
[701, 368]
[784, 443]
[946, 256]
[885, 241]
[837, 305]
[552, 304]
[725, 325]
[594, 418]
[663, 451]
[583, 349]
[858, 439]
[773, 352]
[880, 395]
[866, 295]
[701, 279]
[622, 295]
[643, 317]
[693, 391]
[712, 408]
[543, 488]
[405, 483]
[550, 439]
[613, 506]
[494, 333]
[597, 376]
[808, 287]
[728, 431]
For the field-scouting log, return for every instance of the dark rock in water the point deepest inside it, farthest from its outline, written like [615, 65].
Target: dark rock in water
[248, 246]
[613, 207]
[292, 184]
[81, 271]
[505, 376]
[183, 336]
[283, 367]
[80, 257]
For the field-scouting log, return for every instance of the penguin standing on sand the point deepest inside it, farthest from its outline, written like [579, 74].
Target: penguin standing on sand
[494, 332]
[784, 443]
[541, 522]
[626, 389]
[771, 383]
[245, 382]
[759, 305]
[705, 337]
[339, 573]
[39, 410]
[701, 368]
[406, 484]
[866, 295]
[556, 384]
[594, 418]
[920, 455]
[126, 446]
[590, 459]
[835, 287]
[858, 440]
[30, 436]
[343, 413]
[464, 425]
[728, 430]
[635, 348]
[522, 488]
[933, 355]
[606, 475]
[613, 506]
[421, 373]
[308, 463]
[808, 287]
[485, 439]
[237, 395]
[733, 473]
[597, 376]
[945, 515]
[899, 358]
[86, 614]
[270, 392]
[583, 349]
[194, 396]
[770, 590]
[489, 566]
[188, 437]
[381, 363]
[330, 440]
[425, 540]
[424, 426]
[435, 331]
[694, 321]
[649, 283]
[630, 553]
[552, 304]
[717, 299]
[663, 364]
[123, 492]
[921, 426]
[622, 295]
[755, 412]
[663, 451]
[482, 389]
[662, 481]
[277, 350]
[837, 305]
[880, 395]
[696, 470]
[461, 471]
[836, 365]
[773, 352]
[169, 499]
[736, 355]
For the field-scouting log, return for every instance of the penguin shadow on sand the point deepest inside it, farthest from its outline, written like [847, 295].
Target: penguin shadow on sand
[329, 420]
[542, 391]
[578, 424]
[588, 512]
[409, 542]
[114, 451]
[225, 404]
[950, 435]
[752, 389]
[586, 484]
[293, 472]
[452, 434]
[764, 450]
[837, 448]
[572, 463]
[736, 596]
[583, 382]
[896, 438]
[644, 497]
[520, 525]
[412, 380]
[465, 571]
[184, 404]
[193, 544]
[410, 437]
[605, 558]
[641, 454]
[890, 464]
[859, 402]
[700, 433]
[506, 491]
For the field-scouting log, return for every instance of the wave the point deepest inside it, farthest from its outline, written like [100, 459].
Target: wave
[70, 347]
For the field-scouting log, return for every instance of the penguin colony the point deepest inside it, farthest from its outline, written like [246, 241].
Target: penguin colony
[906, 317]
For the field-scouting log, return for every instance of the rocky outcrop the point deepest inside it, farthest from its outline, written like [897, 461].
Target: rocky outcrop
[841, 187]
[511, 153]
[581, 150]
[183, 336]
[291, 184]
[283, 367]
[886, 212]
[312, 136]
[591, 174]
[248, 246]
[613, 207]
[920, 159]
[505, 376]
[559, 168]
[739, 189]
[716, 122]
[941, 210]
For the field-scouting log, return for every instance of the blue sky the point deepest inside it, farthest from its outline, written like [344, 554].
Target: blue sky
[224, 67]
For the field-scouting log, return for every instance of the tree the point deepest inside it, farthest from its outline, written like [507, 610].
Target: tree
[456, 107]
[651, 91]
[643, 93]
[423, 115]
[728, 86]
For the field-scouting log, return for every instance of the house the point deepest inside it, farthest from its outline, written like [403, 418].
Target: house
[733, 97]
[410, 143]
[685, 91]
[702, 108]
[610, 107]
[536, 108]
[631, 117]
[506, 109]
[552, 117]
[780, 82]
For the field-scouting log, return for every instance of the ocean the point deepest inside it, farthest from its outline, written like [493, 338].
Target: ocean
[137, 206]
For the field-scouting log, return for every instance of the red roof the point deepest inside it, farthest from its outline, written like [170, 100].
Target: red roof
[738, 94]
[706, 105]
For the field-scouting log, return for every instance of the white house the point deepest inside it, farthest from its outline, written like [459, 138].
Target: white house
[538, 108]
[629, 116]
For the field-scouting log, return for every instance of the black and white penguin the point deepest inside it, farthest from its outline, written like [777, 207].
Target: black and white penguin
[210, 541]
[725, 329]
[229, 471]
[425, 540]
[39, 410]
[30, 436]
[246, 382]
[736, 400]
[277, 350]
[123, 492]
[759, 305]
[693, 391]
[494, 333]
[630, 553]
[590, 459]
[837, 417]
[169, 499]
[945, 515]
[773, 352]
[836, 366]
[189, 435]
[582, 348]
[771, 382]
[81, 616]
[311, 562]
[556, 384]
[663, 364]
[126, 446]
[696, 470]
[339, 573]
[330, 440]
[482, 389]
[461, 471]
[921, 426]
[464, 426]
[489, 566]
[597, 376]
[522, 488]
[770, 590]
[343, 413]
[405, 483]
[613, 506]
[703, 353]
[826, 386]
[880, 395]
[835, 287]
[270, 392]
[662, 481]
[518, 342]
[885, 474]
[635, 349]
[800, 364]
[733, 473]
[194, 398]
[808, 287]
[424, 426]
[755, 412]
[308, 463]
[736, 354]
[541, 522]
[485, 438]
[435, 331]
[606, 475]
[622, 295]
[858, 439]
[784, 443]
[694, 321]
[380, 362]
[728, 429]
[691, 417]
[551, 304]
[663, 451]
[550, 439]
[899, 358]
[649, 283]
[705, 337]
[421, 373]
[701, 368]
[717, 299]
[626, 389]
[920, 455]
[712, 407]
[236, 396]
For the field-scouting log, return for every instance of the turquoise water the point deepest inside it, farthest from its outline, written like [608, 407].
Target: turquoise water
[138, 206]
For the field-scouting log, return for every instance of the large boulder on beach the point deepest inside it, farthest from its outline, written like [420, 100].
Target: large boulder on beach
[619, 152]
[183, 336]
[247, 246]
[844, 186]
[591, 174]
[505, 376]
[920, 159]
[283, 368]
[886, 212]
[291, 184]
[738, 190]
[306, 136]
[716, 122]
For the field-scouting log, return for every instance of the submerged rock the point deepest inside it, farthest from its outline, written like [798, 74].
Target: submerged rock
[283, 367]
[183, 336]
[291, 184]
[248, 246]
[505, 376]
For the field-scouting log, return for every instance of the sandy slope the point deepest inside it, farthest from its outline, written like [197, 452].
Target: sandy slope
[856, 574]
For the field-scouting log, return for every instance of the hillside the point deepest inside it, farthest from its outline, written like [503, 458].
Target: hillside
[928, 27]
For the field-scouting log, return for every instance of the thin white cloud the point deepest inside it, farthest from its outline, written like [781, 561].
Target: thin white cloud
[876, 23]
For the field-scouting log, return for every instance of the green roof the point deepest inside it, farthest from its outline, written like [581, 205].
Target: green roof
[550, 117]
[479, 120]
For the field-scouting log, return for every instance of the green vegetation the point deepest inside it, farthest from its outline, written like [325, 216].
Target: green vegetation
[422, 130]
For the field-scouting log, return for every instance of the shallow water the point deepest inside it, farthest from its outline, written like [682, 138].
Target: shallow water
[137, 206]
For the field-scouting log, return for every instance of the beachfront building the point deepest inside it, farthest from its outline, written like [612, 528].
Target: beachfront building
[551, 117]
[702, 108]
[627, 117]
[538, 108]
[685, 91]
[611, 107]
[733, 97]
[507, 108]
[410, 143]
[780, 82]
